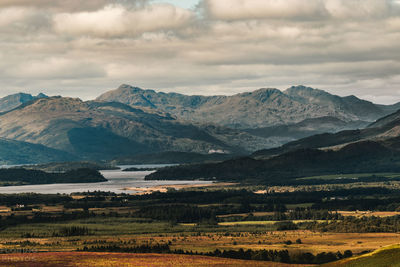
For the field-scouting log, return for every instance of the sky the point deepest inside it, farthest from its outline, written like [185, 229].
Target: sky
[84, 48]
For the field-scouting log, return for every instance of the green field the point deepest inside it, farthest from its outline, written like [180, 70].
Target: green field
[385, 257]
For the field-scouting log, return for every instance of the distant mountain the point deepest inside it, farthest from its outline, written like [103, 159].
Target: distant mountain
[171, 157]
[12, 101]
[373, 149]
[106, 130]
[349, 107]
[385, 130]
[307, 127]
[258, 109]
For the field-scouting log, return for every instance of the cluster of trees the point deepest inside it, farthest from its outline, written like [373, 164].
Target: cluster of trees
[26, 176]
[72, 231]
[177, 213]
[42, 217]
[352, 224]
[297, 214]
[32, 198]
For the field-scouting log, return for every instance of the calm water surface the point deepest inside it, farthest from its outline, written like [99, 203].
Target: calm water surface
[117, 181]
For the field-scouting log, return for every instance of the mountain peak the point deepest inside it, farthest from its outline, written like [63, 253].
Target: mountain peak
[41, 95]
[15, 100]
[304, 90]
[56, 104]
[130, 87]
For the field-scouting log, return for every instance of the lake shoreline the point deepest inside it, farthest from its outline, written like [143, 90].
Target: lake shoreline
[165, 188]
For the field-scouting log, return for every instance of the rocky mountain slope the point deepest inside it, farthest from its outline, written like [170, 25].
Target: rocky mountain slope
[12, 101]
[385, 131]
[104, 130]
[257, 109]
[373, 149]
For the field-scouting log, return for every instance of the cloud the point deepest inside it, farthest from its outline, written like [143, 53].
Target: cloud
[69, 5]
[254, 9]
[55, 68]
[119, 21]
[82, 48]
[296, 9]
[12, 15]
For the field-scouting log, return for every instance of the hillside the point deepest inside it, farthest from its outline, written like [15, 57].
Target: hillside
[257, 109]
[384, 257]
[106, 130]
[385, 130]
[171, 157]
[17, 152]
[361, 157]
[373, 149]
[307, 128]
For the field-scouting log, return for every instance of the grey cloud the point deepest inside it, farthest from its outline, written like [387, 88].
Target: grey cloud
[69, 5]
[298, 9]
[61, 48]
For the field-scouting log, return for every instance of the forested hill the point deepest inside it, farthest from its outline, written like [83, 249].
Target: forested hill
[361, 157]
[17, 176]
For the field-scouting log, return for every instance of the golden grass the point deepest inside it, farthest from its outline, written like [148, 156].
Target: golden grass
[82, 259]
[388, 256]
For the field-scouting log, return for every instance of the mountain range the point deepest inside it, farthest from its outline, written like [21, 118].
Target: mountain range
[375, 148]
[130, 121]
[102, 130]
[257, 109]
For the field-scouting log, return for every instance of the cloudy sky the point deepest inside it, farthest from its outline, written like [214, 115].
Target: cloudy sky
[83, 48]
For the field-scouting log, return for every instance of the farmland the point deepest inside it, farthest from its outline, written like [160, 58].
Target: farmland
[220, 225]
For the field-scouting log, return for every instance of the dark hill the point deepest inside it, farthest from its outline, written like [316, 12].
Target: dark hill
[361, 157]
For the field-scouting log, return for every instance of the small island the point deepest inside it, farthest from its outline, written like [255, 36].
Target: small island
[21, 176]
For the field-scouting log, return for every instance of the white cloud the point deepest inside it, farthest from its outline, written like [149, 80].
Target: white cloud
[296, 9]
[118, 21]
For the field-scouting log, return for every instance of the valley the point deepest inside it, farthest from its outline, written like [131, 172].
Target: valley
[318, 185]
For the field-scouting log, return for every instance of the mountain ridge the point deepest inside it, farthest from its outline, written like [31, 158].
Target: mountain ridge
[105, 130]
[10, 102]
[264, 107]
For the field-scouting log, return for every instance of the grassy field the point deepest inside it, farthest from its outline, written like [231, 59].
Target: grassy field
[200, 238]
[215, 223]
[123, 259]
[385, 257]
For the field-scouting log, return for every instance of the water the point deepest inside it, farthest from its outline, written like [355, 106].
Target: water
[117, 181]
